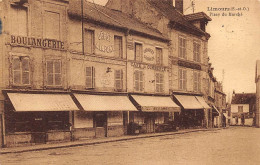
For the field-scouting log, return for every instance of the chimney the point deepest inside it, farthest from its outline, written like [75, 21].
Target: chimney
[179, 5]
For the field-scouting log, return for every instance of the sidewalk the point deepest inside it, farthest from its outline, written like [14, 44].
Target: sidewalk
[94, 141]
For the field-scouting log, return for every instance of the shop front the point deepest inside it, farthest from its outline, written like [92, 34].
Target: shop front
[154, 113]
[101, 115]
[216, 116]
[32, 118]
[194, 111]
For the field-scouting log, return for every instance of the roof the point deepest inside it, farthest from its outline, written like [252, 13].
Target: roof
[197, 16]
[174, 16]
[102, 14]
[243, 98]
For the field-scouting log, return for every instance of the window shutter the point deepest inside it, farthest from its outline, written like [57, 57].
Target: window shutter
[57, 72]
[162, 82]
[199, 82]
[89, 77]
[118, 79]
[122, 78]
[89, 42]
[138, 52]
[25, 71]
[16, 71]
[136, 79]
[180, 79]
[141, 81]
[157, 82]
[93, 77]
[118, 46]
[185, 79]
[184, 48]
[198, 50]
[50, 70]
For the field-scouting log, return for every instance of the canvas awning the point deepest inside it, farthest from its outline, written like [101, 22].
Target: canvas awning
[105, 102]
[156, 103]
[215, 109]
[42, 102]
[202, 102]
[189, 102]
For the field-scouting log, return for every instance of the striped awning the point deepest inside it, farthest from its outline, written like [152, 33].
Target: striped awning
[42, 102]
[189, 102]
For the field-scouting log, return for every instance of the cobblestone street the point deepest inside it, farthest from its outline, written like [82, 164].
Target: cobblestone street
[236, 145]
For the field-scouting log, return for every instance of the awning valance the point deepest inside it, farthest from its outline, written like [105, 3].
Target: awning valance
[189, 102]
[215, 109]
[42, 102]
[105, 102]
[156, 103]
[202, 102]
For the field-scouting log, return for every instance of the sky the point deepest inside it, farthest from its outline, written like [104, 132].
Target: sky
[234, 45]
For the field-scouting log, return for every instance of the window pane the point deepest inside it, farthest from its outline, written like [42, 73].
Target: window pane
[138, 52]
[25, 64]
[118, 49]
[17, 77]
[89, 42]
[57, 79]
[50, 67]
[26, 78]
[50, 79]
[16, 64]
[57, 66]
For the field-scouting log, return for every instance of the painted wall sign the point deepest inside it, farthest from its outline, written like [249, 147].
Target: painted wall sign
[150, 66]
[149, 54]
[104, 44]
[159, 109]
[37, 42]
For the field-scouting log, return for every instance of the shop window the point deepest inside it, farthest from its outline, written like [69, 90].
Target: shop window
[90, 77]
[58, 120]
[52, 25]
[118, 46]
[182, 47]
[21, 71]
[138, 81]
[159, 56]
[240, 109]
[89, 41]
[53, 68]
[119, 80]
[159, 80]
[182, 79]
[138, 52]
[196, 82]
[100, 119]
[196, 52]
[19, 20]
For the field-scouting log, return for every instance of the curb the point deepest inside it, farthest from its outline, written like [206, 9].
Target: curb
[41, 148]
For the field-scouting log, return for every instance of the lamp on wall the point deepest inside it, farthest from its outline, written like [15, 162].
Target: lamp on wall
[108, 70]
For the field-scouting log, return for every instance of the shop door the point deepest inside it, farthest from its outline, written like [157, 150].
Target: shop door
[100, 121]
[39, 128]
[150, 123]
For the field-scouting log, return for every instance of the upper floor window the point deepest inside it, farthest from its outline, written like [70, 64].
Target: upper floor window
[182, 79]
[19, 20]
[138, 52]
[182, 47]
[159, 80]
[139, 81]
[119, 79]
[52, 25]
[21, 71]
[90, 77]
[118, 46]
[196, 82]
[240, 109]
[89, 41]
[53, 68]
[196, 52]
[159, 56]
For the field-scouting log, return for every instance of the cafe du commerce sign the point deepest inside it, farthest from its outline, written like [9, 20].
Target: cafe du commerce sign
[37, 42]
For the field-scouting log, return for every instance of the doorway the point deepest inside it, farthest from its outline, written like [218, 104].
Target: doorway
[100, 123]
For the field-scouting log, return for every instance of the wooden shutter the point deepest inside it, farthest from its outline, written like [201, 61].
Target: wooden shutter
[89, 41]
[159, 56]
[199, 82]
[50, 72]
[16, 71]
[141, 80]
[157, 82]
[180, 79]
[57, 72]
[161, 82]
[184, 79]
[118, 46]
[136, 80]
[119, 79]
[25, 71]
[138, 52]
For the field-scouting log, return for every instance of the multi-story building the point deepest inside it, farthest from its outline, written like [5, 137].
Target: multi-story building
[188, 58]
[220, 104]
[68, 73]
